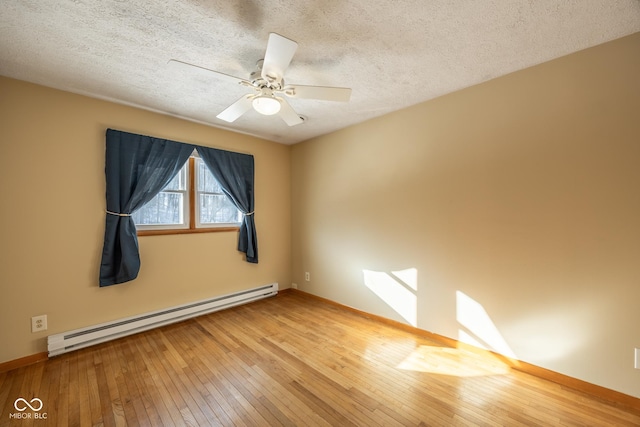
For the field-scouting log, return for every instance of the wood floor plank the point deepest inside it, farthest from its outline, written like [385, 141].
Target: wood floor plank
[161, 379]
[236, 375]
[83, 387]
[73, 393]
[252, 353]
[105, 395]
[186, 382]
[222, 389]
[319, 384]
[52, 396]
[209, 394]
[129, 398]
[13, 389]
[63, 392]
[132, 379]
[154, 401]
[293, 361]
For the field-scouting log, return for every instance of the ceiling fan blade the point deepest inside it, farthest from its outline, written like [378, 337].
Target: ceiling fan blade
[324, 93]
[235, 110]
[280, 51]
[288, 114]
[205, 72]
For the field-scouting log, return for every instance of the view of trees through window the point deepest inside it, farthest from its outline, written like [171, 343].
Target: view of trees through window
[214, 206]
[170, 208]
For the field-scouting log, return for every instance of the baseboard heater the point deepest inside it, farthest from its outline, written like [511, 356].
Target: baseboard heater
[85, 337]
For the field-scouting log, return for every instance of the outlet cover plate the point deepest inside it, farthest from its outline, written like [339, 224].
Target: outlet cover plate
[39, 323]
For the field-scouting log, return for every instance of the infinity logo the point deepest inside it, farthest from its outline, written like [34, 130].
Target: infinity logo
[28, 404]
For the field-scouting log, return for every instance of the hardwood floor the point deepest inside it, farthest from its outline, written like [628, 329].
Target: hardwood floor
[289, 360]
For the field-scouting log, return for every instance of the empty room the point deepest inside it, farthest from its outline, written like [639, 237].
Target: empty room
[322, 213]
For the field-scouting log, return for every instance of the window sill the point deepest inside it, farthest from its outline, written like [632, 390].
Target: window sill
[141, 233]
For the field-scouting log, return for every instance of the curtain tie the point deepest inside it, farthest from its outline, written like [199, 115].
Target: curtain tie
[117, 214]
[249, 213]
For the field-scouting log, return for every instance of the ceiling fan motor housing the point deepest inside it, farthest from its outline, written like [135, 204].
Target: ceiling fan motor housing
[267, 82]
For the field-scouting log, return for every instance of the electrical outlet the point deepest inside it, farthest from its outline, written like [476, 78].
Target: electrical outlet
[637, 361]
[307, 276]
[39, 323]
[294, 285]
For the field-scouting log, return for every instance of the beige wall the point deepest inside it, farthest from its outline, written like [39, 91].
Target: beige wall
[52, 181]
[515, 202]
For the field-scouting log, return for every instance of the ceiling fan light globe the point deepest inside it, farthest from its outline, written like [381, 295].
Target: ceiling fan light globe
[266, 105]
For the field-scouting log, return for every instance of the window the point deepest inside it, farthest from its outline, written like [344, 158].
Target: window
[213, 206]
[192, 202]
[169, 209]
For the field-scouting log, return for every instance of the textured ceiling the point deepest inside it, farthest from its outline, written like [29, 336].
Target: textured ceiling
[392, 54]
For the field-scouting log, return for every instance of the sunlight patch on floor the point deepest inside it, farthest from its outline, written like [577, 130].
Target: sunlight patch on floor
[452, 361]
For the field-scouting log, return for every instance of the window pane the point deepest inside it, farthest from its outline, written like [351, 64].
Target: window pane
[206, 181]
[179, 182]
[165, 208]
[217, 209]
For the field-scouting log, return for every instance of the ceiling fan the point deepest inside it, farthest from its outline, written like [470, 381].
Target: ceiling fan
[268, 83]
